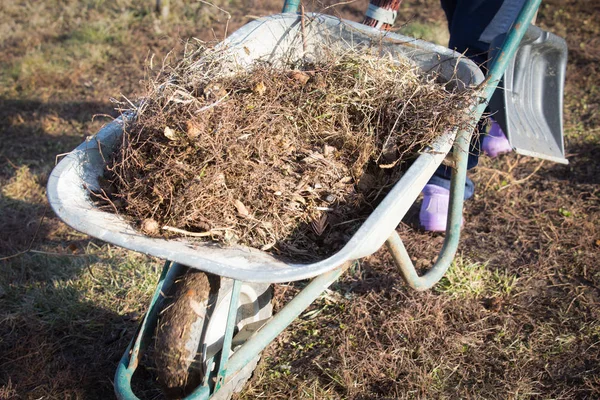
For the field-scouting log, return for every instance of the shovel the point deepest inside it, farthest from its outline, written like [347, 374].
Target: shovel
[529, 100]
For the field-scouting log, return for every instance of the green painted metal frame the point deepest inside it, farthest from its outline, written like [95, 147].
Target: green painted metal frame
[249, 350]
[130, 360]
[223, 364]
[227, 366]
[283, 319]
[291, 6]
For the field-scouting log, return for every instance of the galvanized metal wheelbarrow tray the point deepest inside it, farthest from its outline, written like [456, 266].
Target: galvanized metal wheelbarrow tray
[267, 38]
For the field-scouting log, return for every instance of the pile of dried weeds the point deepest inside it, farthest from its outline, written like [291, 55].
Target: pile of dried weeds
[286, 160]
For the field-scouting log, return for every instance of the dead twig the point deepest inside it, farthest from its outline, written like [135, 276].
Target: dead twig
[518, 182]
[212, 232]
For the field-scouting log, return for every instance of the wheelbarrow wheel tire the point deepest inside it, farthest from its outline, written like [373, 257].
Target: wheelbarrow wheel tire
[190, 329]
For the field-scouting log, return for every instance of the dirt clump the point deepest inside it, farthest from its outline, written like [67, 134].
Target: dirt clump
[286, 159]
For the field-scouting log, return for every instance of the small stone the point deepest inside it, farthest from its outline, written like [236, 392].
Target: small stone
[192, 130]
[241, 208]
[170, 133]
[300, 77]
[219, 179]
[150, 226]
[328, 150]
[260, 88]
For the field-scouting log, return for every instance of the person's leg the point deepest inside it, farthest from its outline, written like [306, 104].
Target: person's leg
[449, 6]
[473, 24]
[436, 194]
[471, 19]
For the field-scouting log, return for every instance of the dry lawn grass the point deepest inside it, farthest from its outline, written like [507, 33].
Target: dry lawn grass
[516, 318]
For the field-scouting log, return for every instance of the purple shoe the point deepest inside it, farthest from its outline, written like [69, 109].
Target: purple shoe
[495, 142]
[434, 210]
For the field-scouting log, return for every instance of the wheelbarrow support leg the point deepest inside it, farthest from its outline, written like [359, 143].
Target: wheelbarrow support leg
[457, 192]
[282, 319]
[233, 306]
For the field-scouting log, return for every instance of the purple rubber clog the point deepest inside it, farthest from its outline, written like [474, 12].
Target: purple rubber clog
[434, 209]
[495, 142]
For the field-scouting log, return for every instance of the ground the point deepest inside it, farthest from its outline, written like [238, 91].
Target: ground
[515, 317]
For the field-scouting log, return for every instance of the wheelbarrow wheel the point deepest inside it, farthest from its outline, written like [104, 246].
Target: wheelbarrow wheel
[191, 326]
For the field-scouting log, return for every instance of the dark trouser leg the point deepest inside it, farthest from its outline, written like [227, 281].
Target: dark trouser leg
[443, 173]
[472, 25]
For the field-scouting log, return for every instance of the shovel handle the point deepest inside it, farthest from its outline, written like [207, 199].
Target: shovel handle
[381, 14]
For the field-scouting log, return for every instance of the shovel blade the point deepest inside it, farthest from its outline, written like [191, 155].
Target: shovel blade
[528, 104]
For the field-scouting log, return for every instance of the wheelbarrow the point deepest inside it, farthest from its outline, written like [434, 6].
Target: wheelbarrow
[224, 292]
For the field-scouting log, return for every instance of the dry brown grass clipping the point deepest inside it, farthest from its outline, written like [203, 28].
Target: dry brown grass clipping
[286, 160]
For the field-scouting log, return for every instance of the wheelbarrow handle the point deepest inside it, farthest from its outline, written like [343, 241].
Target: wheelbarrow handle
[509, 48]
[460, 154]
[291, 6]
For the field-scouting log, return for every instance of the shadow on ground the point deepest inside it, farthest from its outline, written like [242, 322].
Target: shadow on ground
[34, 132]
[80, 354]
